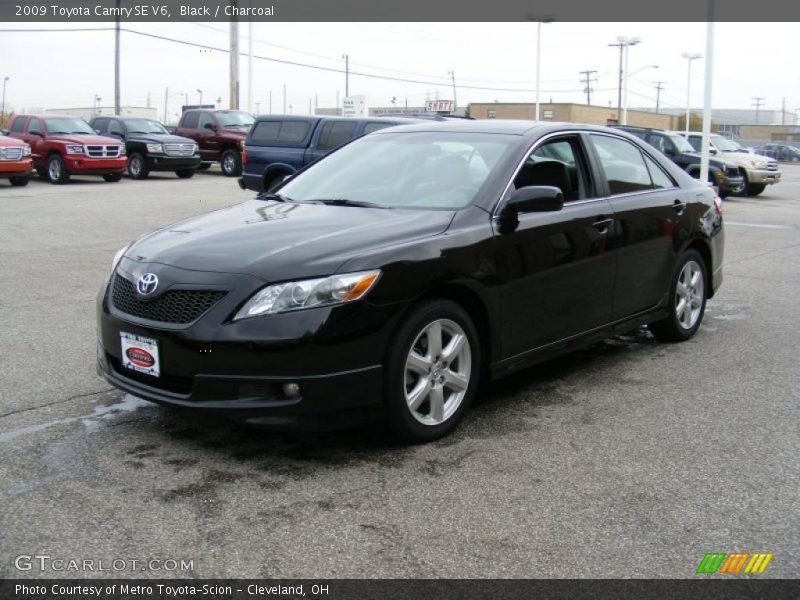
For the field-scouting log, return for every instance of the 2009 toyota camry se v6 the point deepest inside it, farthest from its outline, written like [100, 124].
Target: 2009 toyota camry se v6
[387, 279]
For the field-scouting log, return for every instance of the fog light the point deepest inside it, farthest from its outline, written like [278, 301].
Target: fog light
[291, 390]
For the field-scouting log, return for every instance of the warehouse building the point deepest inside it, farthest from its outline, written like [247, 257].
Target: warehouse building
[570, 113]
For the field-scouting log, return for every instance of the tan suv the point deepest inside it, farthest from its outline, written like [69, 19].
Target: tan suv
[758, 171]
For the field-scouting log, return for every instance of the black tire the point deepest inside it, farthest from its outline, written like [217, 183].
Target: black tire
[754, 189]
[112, 177]
[402, 420]
[185, 173]
[56, 170]
[231, 163]
[203, 166]
[673, 328]
[20, 181]
[137, 166]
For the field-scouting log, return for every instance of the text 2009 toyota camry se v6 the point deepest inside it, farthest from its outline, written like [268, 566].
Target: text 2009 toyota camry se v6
[386, 279]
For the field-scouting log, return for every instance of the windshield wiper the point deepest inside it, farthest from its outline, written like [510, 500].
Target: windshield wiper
[347, 202]
[270, 196]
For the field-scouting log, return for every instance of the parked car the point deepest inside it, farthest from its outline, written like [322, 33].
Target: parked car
[725, 175]
[281, 145]
[149, 146]
[62, 146]
[386, 279]
[16, 164]
[781, 152]
[220, 135]
[759, 171]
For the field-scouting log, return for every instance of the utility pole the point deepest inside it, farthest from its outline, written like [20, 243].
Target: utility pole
[234, 63]
[346, 58]
[783, 111]
[284, 98]
[455, 101]
[588, 81]
[309, 106]
[116, 60]
[3, 108]
[166, 101]
[758, 102]
[250, 64]
[270, 102]
[659, 87]
[621, 47]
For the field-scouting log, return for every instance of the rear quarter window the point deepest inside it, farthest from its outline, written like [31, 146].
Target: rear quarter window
[282, 133]
[336, 133]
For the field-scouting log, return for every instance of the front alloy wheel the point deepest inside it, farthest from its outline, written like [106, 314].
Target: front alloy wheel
[432, 371]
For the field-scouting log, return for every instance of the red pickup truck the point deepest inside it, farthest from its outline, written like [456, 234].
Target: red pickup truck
[15, 161]
[64, 146]
[219, 134]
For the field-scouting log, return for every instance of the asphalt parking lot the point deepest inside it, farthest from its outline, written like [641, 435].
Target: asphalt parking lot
[628, 459]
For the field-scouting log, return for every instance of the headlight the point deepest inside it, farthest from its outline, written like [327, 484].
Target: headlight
[122, 150]
[196, 149]
[117, 258]
[155, 148]
[297, 295]
[74, 149]
[26, 151]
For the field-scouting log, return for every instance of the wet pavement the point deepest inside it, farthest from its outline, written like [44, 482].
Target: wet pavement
[630, 458]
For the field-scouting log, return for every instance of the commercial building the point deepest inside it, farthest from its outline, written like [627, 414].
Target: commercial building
[570, 113]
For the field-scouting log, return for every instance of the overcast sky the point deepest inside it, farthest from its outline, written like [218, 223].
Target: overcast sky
[56, 69]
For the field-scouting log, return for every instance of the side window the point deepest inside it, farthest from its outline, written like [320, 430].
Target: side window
[115, 128]
[660, 178]
[18, 126]
[696, 142]
[375, 126]
[336, 133]
[35, 126]
[205, 119]
[190, 120]
[293, 132]
[266, 131]
[100, 124]
[559, 163]
[623, 165]
[658, 142]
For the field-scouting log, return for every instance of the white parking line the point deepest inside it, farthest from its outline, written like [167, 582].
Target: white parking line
[736, 223]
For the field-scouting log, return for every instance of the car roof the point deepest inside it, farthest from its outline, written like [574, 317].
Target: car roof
[497, 126]
[51, 116]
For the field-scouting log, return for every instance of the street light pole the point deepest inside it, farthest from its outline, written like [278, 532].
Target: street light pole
[455, 99]
[3, 109]
[689, 56]
[199, 91]
[346, 58]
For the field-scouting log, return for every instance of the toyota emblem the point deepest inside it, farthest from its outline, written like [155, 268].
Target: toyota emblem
[147, 284]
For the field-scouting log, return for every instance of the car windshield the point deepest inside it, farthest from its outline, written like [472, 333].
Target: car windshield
[681, 144]
[235, 119]
[67, 125]
[726, 145]
[144, 126]
[421, 170]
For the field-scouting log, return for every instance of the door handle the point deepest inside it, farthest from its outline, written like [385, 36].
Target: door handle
[679, 207]
[602, 225]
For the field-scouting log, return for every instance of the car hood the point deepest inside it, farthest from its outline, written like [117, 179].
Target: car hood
[84, 139]
[745, 159]
[158, 138]
[712, 160]
[7, 142]
[278, 241]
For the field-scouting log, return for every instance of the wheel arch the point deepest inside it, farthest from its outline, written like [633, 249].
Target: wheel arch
[703, 247]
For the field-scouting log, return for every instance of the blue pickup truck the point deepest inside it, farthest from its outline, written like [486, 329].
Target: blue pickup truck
[281, 145]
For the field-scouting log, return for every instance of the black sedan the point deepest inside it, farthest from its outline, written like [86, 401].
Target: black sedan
[385, 280]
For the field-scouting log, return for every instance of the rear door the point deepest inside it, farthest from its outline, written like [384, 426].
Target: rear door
[205, 135]
[556, 269]
[36, 138]
[648, 222]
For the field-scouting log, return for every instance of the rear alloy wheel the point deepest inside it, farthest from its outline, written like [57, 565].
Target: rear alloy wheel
[20, 181]
[56, 170]
[185, 173]
[112, 177]
[231, 162]
[137, 166]
[433, 371]
[688, 300]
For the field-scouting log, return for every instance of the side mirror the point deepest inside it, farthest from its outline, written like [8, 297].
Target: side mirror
[535, 198]
[210, 127]
[39, 133]
[712, 150]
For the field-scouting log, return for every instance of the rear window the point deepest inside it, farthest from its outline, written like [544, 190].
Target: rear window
[18, 126]
[280, 132]
[190, 120]
[336, 133]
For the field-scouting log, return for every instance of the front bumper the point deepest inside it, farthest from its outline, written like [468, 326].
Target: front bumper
[172, 163]
[763, 176]
[730, 184]
[81, 165]
[239, 369]
[16, 168]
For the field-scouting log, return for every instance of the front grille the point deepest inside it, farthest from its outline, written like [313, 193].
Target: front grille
[170, 383]
[732, 171]
[773, 166]
[103, 151]
[179, 149]
[10, 153]
[175, 306]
